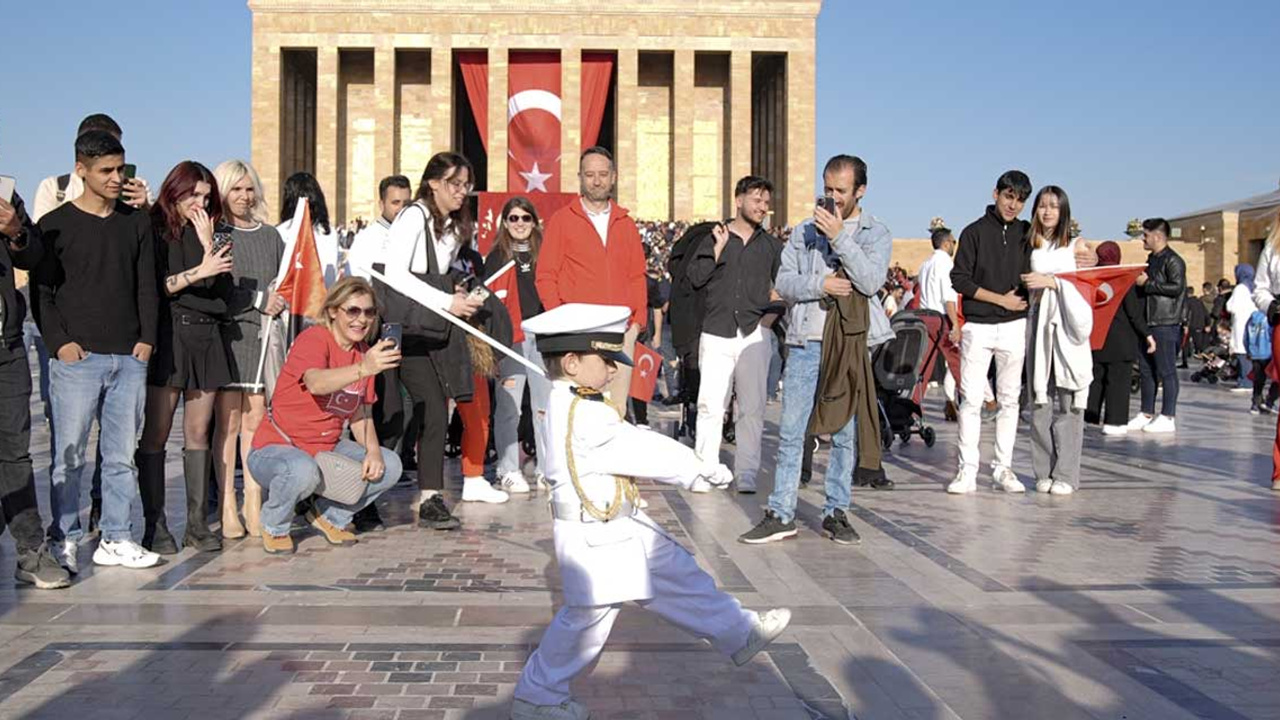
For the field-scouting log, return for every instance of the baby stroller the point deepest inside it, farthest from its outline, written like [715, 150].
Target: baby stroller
[897, 366]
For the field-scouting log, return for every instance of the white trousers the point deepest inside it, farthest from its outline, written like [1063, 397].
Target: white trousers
[683, 595]
[1007, 343]
[740, 363]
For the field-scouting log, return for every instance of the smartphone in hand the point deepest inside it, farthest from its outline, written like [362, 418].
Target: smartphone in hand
[828, 204]
[7, 186]
[393, 332]
[221, 239]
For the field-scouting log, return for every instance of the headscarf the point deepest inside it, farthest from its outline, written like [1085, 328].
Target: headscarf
[1108, 253]
[1244, 275]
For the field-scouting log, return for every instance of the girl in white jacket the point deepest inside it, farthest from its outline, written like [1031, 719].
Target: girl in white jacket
[1058, 349]
[1266, 291]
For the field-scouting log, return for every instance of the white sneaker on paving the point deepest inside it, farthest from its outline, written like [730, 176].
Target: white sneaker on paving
[1044, 485]
[567, 710]
[1139, 422]
[700, 486]
[65, 553]
[514, 482]
[1115, 429]
[1061, 488]
[767, 627]
[124, 552]
[962, 485]
[1162, 424]
[477, 489]
[1241, 390]
[1007, 481]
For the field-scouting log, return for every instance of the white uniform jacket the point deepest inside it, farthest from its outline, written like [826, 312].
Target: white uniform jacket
[603, 563]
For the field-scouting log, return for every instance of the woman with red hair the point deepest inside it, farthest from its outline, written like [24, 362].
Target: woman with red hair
[193, 266]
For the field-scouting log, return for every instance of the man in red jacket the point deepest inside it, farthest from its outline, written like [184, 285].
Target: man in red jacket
[591, 253]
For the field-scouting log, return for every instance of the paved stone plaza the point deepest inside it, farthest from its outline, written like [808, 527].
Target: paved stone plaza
[1154, 593]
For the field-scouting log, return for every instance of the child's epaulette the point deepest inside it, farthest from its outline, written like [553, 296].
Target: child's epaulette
[587, 393]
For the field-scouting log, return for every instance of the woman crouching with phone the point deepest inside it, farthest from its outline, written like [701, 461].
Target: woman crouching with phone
[327, 382]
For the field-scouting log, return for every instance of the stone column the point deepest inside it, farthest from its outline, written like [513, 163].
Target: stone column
[497, 149]
[327, 122]
[739, 121]
[441, 103]
[625, 112]
[384, 111]
[801, 159]
[570, 116]
[265, 105]
[682, 117]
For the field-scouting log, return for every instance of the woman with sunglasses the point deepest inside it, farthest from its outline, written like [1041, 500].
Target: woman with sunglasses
[193, 265]
[516, 245]
[424, 242]
[326, 384]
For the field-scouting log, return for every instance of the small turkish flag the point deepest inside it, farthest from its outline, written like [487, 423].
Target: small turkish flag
[644, 375]
[303, 283]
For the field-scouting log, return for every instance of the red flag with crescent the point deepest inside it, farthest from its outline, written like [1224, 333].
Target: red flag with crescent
[533, 122]
[644, 375]
[1104, 288]
[303, 283]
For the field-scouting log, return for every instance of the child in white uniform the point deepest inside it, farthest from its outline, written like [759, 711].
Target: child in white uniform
[608, 549]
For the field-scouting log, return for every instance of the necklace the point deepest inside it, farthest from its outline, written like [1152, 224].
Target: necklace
[523, 256]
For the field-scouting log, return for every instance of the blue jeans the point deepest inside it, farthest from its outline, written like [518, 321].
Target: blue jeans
[290, 475]
[775, 365]
[75, 390]
[799, 382]
[1163, 365]
[1244, 366]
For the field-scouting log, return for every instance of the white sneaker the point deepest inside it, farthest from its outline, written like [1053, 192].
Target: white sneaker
[1139, 421]
[567, 710]
[962, 485]
[541, 481]
[1044, 485]
[65, 553]
[124, 552]
[477, 489]
[700, 486]
[1115, 429]
[767, 627]
[746, 485]
[1007, 481]
[514, 482]
[1162, 424]
[1241, 390]
[1061, 488]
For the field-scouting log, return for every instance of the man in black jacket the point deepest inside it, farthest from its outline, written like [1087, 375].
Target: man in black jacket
[992, 256]
[1162, 289]
[22, 249]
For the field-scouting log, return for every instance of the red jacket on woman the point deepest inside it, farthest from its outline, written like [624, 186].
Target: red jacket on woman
[575, 266]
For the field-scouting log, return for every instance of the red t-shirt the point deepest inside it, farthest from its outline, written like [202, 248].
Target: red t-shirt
[314, 423]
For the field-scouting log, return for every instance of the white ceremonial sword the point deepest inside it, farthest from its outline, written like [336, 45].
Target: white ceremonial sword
[416, 292]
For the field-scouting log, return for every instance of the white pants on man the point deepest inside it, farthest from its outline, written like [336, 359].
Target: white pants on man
[1007, 343]
[683, 595]
[726, 364]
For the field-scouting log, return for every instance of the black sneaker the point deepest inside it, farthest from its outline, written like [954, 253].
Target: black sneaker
[38, 567]
[95, 519]
[771, 528]
[367, 520]
[874, 479]
[837, 527]
[434, 514]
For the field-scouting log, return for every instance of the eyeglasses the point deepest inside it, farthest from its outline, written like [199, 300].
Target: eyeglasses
[460, 185]
[352, 312]
[514, 218]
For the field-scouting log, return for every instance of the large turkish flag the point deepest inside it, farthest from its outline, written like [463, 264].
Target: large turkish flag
[533, 122]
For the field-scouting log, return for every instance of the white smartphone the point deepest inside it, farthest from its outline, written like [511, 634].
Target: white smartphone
[6, 188]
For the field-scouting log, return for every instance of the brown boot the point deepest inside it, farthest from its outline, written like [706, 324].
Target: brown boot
[335, 535]
[277, 544]
[252, 506]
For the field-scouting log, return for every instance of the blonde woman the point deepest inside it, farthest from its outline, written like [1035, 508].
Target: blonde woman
[1266, 294]
[325, 385]
[256, 253]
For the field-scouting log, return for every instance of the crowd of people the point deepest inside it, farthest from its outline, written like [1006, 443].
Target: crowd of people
[140, 304]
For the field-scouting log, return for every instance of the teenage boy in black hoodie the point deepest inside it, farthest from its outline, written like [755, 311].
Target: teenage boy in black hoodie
[994, 252]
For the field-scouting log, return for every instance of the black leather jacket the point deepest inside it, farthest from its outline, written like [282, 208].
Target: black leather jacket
[1165, 289]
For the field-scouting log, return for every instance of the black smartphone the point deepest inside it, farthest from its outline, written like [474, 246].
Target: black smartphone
[393, 332]
[221, 239]
[828, 204]
[129, 172]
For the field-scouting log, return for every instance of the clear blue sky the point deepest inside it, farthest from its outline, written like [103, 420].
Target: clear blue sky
[1136, 108]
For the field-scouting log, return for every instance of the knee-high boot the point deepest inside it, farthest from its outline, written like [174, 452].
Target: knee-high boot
[196, 465]
[156, 537]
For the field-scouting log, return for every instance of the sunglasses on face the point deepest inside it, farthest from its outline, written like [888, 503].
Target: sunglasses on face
[352, 312]
[514, 218]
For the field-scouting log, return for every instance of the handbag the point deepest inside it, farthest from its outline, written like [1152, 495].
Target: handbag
[341, 478]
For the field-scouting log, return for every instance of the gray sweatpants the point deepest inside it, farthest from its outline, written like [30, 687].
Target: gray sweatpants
[1057, 434]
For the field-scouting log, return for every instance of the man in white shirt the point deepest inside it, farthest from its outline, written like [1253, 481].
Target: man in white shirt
[370, 244]
[937, 294]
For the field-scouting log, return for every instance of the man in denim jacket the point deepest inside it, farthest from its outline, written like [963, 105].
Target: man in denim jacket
[862, 247]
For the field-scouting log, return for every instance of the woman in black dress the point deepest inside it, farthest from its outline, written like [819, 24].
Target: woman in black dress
[193, 261]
